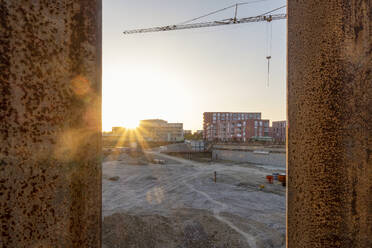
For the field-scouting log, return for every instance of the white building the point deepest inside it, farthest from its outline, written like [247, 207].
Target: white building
[161, 131]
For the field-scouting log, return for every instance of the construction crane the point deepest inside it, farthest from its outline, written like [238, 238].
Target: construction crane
[267, 17]
[260, 18]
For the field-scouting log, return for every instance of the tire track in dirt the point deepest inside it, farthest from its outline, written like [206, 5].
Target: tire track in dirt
[216, 212]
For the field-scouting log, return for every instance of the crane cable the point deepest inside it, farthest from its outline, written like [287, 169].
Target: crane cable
[220, 10]
[269, 35]
[273, 10]
[269, 31]
[269, 38]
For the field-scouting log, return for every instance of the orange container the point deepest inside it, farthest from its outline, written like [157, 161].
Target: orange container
[270, 178]
[281, 178]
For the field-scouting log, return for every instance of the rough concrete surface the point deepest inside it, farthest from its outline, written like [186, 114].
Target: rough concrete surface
[330, 124]
[50, 123]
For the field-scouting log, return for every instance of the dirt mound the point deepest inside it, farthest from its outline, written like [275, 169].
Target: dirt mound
[184, 229]
[130, 231]
[195, 236]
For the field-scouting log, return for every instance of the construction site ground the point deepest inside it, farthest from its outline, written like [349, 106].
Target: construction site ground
[178, 204]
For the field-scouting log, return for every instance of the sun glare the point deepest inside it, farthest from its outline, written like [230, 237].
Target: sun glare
[131, 125]
[129, 95]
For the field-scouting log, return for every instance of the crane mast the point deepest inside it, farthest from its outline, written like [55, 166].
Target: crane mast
[261, 18]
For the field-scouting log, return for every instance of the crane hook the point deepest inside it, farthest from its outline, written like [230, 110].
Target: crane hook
[268, 70]
[269, 34]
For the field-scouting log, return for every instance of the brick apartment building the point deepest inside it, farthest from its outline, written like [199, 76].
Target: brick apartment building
[279, 131]
[230, 126]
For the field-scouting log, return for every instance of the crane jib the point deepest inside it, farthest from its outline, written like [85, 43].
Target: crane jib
[261, 18]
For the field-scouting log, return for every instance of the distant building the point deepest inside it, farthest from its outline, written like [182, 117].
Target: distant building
[230, 126]
[187, 132]
[107, 133]
[160, 130]
[199, 131]
[196, 145]
[279, 131]
[117, 131]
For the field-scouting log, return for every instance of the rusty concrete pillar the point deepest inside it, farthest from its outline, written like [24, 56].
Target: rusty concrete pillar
[50, 123]
[329, 155]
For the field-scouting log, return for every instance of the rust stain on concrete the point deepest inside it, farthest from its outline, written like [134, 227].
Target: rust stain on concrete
[50, 112]
[329, 155]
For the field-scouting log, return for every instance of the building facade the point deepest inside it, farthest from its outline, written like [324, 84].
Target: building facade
[238, 127]
[279, 131]
[118, 131]
[161, 131]
[187, 132]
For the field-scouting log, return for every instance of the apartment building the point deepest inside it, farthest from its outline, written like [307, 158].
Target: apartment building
[160, 131]
[231, 126]
[199, 131]
[279, 131]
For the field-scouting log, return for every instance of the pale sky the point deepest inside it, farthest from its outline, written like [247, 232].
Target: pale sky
[178, 75]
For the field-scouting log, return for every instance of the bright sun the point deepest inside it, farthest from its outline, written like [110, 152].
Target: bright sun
[130, 124]
[132, 93]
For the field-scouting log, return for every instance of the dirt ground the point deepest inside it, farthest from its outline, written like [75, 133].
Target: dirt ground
[178, 205]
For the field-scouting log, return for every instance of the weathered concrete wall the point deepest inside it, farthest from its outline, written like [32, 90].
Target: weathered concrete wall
[330, 124]
[271, 160]
[50, 122]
